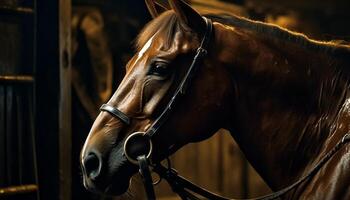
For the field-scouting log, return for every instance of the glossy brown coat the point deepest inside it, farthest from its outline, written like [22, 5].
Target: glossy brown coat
[284, 98]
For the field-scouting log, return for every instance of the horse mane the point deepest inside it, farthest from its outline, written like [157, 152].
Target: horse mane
[334, 48]
[167, 24]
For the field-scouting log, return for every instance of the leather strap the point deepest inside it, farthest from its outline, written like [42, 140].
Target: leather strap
[116, 113]
[146, 177]
[184, 187]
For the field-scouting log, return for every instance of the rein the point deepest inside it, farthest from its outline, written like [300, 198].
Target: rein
[138, 146]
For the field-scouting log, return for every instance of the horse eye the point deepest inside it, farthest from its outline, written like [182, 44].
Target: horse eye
[160, 69]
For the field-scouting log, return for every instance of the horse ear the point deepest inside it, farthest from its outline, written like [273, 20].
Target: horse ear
[154, 8]
[188, 16]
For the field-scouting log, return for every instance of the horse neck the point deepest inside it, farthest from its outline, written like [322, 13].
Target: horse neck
[286, 102]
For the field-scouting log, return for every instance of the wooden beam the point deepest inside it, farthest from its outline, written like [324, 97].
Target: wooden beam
[46, 97]
[6, 10]
[15, 190]
[53, 126]
[65, 137]
[2, 136]
[17, 79]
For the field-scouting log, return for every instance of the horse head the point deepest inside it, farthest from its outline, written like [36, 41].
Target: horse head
[165, 50]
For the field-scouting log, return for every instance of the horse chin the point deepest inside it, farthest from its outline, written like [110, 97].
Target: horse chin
[116, 189]
[119, 185]
[121, 172]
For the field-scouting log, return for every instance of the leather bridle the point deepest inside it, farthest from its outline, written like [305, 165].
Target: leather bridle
[146, 137]
[138, 146]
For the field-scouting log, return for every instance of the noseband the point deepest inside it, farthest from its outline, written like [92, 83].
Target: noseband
[138, 146]
[116, 113]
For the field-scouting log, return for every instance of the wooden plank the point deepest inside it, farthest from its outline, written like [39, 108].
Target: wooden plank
[25, 143]
[232, 167]
[218, 165]
[32, 99]
[185, 161]
[32, 139]
[53, 98]
[11, 10]
[200, 163]
[47, 96]
[209, 163]
[16, 3]
[11, 154]
[20, 133]
[65, 135]
[2, 137]
[257, 186]
[16, 79]
[10, 51]
[16, 190]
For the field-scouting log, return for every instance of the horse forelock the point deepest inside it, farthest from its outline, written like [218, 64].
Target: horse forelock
[166, 26]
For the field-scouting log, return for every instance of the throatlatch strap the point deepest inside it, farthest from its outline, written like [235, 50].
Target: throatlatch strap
[146, 177]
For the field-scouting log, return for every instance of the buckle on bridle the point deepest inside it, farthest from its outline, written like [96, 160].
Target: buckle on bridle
[137, 144]
[201, 51]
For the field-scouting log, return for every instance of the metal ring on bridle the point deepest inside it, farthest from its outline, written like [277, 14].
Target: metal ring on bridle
[157, 181]
[137, 140]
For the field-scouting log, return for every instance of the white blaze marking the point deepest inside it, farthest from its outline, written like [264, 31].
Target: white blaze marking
[145, 48]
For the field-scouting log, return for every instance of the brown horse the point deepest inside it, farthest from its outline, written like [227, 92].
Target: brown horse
[285, 99]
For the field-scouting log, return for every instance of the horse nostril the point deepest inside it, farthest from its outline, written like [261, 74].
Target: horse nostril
[92, 165]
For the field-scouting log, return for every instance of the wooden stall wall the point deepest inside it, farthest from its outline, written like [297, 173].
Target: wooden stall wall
[35, 99]
[218, 165]
[53, 98]
[18, 169]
